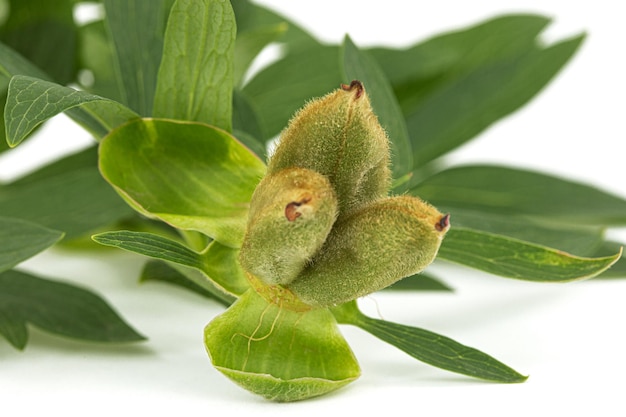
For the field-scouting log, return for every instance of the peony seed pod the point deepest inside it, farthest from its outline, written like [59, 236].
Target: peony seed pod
[291, 213]
[372, 248]
[339, 136]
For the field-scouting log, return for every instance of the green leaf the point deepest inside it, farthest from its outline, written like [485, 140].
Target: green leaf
[218, 263]
[136, 29]
[249, 44]
[32, 101]
[358, 65]
[76, 202]
[431, 348]
[157, 271]
[44, 32]
[513, 258]
[96, 54]
[202, 183]
[494, 189]
[195, 80]
[21, 240]
[282, 88]
[459, 110]
[419, 282]
[58, 308]
[246, 125]
[278, 353]
[12, 63]
[572, 238]
[618, 269]
[420, 69]
[87, 158]
[251, 16]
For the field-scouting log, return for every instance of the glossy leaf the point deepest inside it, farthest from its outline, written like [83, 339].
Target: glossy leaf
[358, 65]
[136, 30]
[280, 354]
[280, 89]
[32, 101]
[195, 80]
[508, 257]
[431, 348]
[57, 308]
[190, 175]
[21, 240]
[218, 263]
[76, 202]
[494, 189]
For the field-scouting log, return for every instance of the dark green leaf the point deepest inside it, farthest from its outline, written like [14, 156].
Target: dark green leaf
[136, 29]
[32, 101]
[508, 257]
[251, 17]
[279, 90]
[249, 44]
[428, 65]
[97, 56]
[75, 202]
[575, 239]
[87, 158]
[419, 282]
[618, 269]
[203, 183]
[58, 308]
[246, 121]
[12, 63]
[459, 110]
[218, 263]
[44, 32]
[21, 240]
[162, 272]
[493, 189]
[195, 80]
[431, 348]
[358, 65]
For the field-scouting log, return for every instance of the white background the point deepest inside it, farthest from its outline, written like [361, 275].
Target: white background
[568, 338]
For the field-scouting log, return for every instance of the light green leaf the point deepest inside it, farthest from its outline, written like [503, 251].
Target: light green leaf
[280, 354]
[57, 308]
[32, 101]
[21, 240]
[508, 257]
[494, 189]
[218, 263]
[431, 348]
[249, 44]
[282, 88]
[195, 80]
[190, 175]
[358, 65]
[136, 29]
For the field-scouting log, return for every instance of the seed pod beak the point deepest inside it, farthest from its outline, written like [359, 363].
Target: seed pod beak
[443, 224]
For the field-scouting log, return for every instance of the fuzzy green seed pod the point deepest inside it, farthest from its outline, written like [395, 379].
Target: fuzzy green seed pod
[372, 248]
[291, 214]
[339, 136]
